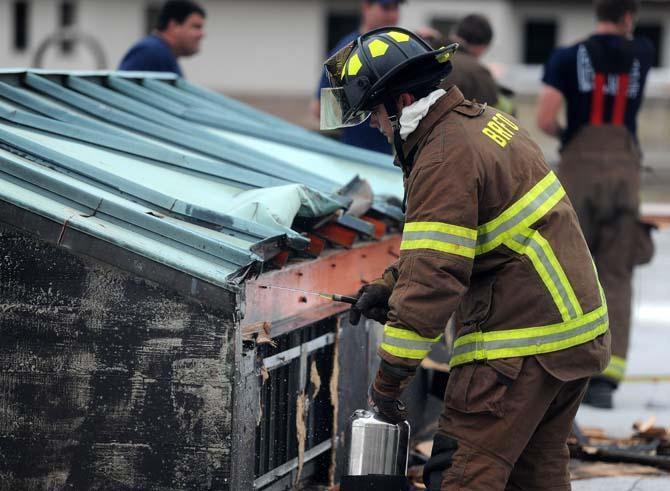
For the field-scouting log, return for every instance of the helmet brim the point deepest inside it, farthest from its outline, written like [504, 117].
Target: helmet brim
[336, 112]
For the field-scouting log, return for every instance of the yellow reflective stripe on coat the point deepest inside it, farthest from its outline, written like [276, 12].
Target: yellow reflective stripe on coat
[530, 243]
[438, 236]
[404, 343]
[528, 341]
[512, 228]
[616, 368]
[527, 210]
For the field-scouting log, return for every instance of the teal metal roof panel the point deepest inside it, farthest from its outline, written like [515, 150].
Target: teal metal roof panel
[173, 172]
[86, 219]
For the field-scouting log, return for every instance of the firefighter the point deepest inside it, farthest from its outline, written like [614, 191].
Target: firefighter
[490, 235]
[601, 80]
[473, 35]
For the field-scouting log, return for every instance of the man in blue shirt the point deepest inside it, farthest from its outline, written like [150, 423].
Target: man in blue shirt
[374, 14]
[179, 30]
[601, 80]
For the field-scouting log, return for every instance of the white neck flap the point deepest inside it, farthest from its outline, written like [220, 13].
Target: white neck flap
[413, 114]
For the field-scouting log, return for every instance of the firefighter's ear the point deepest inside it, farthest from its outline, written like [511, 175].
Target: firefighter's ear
[405, 99]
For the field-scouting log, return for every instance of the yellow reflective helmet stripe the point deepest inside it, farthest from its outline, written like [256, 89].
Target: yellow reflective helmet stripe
[354, 65]
[438, 236]
[443, 57]
[377, 47]
[399, 37]
[478, 346]
[616, 368]
[404, 343]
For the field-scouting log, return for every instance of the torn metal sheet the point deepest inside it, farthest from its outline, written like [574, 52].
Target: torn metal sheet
[357, 224]
[278, 206]
[360, 192]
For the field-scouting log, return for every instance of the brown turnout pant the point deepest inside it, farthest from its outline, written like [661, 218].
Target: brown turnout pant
[507, 429]
[599, 170]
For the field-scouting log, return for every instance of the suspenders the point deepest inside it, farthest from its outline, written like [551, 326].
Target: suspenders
[605, 65]
[619, 109]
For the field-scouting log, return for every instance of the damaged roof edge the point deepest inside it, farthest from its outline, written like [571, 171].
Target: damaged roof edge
[166, 203]
[201, 290]
[53, 186]
[139, 162]
[65, 220]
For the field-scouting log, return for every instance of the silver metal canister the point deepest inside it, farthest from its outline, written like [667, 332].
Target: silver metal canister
[375, 446]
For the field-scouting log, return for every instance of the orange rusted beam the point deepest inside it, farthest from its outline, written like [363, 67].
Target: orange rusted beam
[280, 259]
[337, 234]
[380, 227]
[336, 271]
[316, 245]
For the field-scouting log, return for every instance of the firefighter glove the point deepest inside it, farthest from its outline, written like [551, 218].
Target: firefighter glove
[373, 298]
[390, 410]
[385, 392]
[373, 303]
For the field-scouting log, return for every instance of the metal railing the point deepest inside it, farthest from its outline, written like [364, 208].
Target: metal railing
[292, 366]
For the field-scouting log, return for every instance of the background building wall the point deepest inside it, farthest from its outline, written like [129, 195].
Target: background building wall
[263, 47]
[260, 47]
[113, 24]
[269, 52]
[575, 20]
[500, 13]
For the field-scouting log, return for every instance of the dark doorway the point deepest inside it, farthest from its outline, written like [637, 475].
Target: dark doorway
[339, 24]
[68, 18]
[539, 41]
[20, 17]
[653, 32]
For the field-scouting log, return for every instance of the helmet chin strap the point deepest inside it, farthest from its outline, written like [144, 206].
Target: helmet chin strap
[394, 120]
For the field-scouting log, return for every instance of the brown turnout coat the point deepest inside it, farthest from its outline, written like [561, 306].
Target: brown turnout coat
[472, 166]
[472, 78]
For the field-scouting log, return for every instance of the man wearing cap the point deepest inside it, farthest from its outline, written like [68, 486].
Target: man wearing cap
[473, 35]
[490, 237]
[374, 14]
